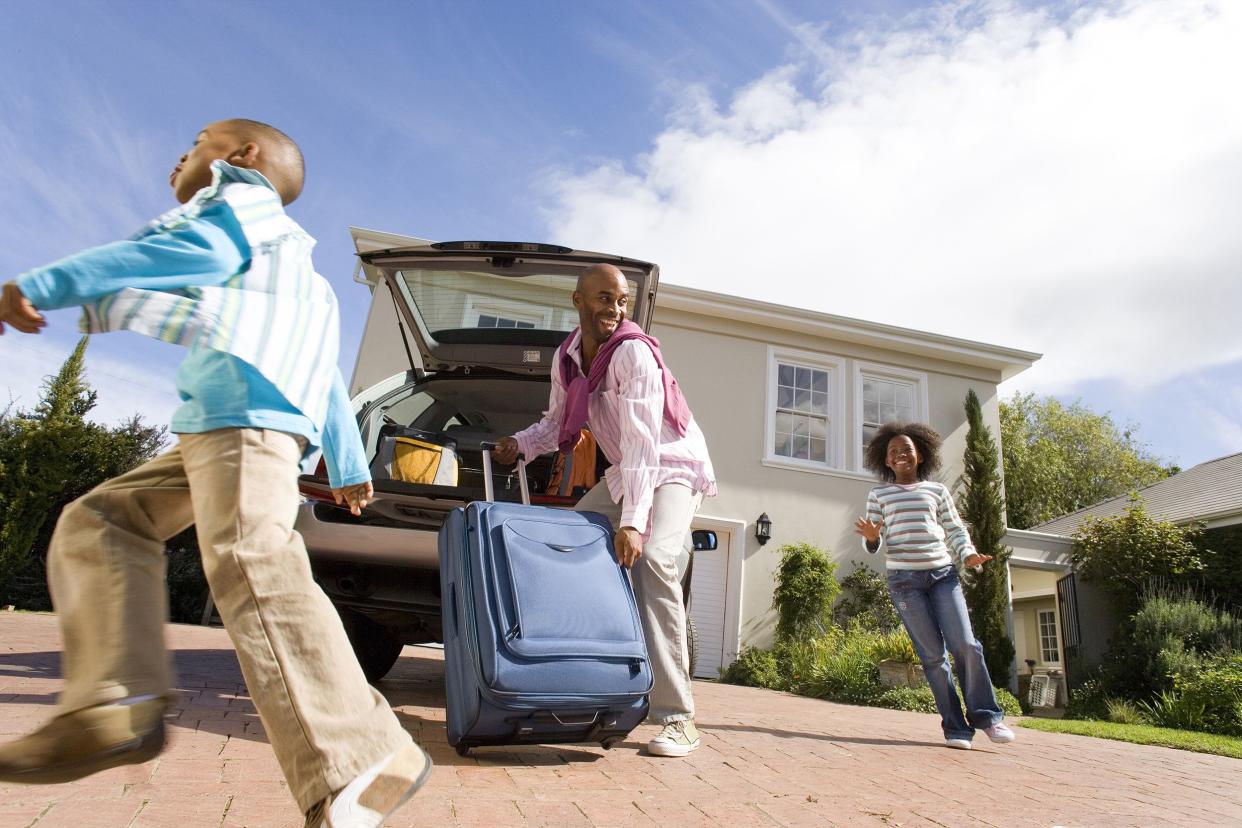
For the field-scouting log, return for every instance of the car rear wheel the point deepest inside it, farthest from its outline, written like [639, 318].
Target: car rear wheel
[376, 647]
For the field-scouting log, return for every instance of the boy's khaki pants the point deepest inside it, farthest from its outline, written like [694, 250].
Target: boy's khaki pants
[106, 573]
[657, 589]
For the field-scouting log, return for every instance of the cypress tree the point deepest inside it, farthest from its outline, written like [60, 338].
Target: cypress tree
[982, 507]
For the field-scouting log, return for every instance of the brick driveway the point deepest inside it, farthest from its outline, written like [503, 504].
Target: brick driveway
[767, 759]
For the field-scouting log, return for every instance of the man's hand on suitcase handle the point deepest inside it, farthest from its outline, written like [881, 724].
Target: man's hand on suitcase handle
[629, 546]
[506, 451]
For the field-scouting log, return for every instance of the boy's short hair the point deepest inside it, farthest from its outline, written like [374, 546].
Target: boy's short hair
[926, 443]
[283, 162]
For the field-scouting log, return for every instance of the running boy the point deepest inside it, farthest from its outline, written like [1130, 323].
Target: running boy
[925, 539]
[228, 275]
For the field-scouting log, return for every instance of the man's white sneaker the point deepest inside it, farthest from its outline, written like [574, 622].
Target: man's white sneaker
[375, 793]
[678, 738]
[957, 744]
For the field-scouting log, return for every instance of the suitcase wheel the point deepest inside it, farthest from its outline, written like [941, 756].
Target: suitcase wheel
[462, 748]
[608, 743]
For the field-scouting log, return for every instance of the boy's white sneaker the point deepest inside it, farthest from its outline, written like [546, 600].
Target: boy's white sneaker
[375, 793]
[678, 738]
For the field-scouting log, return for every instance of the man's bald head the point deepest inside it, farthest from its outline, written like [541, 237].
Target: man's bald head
[596, 272]
[602, 297]
[279, 158]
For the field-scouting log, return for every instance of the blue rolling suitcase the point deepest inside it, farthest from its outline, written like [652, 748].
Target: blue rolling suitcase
[542, 639]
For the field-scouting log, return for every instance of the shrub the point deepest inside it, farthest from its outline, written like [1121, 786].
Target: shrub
[1174, 711]
[1008, 702]
[806, 588]
[1088, 700]
[893, 646]
[1216, 688]
[1124, 711]
[754, 668]
[845, 670]
[1169, 636]
[914, 699]
[865, 602]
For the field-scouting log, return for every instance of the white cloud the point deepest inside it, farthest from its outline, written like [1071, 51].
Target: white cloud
[1069, 186]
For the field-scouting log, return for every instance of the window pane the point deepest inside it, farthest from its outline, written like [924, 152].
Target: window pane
[819, 381]
[869, 390]
[817, 428]
[868, 432]
[886, 395]
[819, 450]
[905, 397]
[802, 399]
[784, 396]
[784, 422]
[871, 412]
[785, 374]
[804, 378]
[819, 402]
[802, 448]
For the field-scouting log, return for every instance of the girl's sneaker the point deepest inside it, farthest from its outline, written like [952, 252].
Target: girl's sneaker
[1000, 733]
[957, 744]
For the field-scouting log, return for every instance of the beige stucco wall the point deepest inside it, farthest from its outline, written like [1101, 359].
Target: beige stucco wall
[1023, 579]
[1028, 645]
[722, 367]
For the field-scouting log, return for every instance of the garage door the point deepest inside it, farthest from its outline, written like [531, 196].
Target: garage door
[707, 605]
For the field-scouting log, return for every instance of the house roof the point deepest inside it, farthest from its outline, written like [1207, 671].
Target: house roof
[1007, 361]
[1210, 492]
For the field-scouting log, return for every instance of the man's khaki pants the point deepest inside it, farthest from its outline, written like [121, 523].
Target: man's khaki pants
[239, 488]
[657, 588]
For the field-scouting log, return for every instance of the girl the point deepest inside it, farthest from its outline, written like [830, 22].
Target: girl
[925, 540]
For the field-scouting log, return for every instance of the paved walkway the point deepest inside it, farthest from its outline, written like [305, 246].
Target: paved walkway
[767, 759]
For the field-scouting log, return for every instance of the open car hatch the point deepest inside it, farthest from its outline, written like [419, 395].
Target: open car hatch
[488, 304]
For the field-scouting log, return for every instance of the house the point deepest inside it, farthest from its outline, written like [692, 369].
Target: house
[1044, 591]
[787, 399]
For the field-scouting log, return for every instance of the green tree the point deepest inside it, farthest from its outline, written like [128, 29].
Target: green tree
[1060, 458]
[49, 457]
[983, 508]
[806, 587]
[1128, 553]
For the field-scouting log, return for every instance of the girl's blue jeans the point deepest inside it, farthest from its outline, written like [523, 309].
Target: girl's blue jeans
[933, 610]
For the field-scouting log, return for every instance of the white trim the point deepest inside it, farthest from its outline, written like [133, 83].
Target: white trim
[790, 463]
[1056, 636]
[1008, 362]
[736, 530]
[478, 304]
[1033, 593]
[835, 368]
[880, 371]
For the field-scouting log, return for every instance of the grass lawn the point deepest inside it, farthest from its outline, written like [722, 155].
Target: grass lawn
[1142, 735]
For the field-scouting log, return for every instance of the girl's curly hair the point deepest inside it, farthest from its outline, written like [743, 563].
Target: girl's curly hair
[926, 441]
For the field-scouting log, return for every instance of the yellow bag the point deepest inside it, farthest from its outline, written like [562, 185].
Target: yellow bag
[413, 456]
[417, 461]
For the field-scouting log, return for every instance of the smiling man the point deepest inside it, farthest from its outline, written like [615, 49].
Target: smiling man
[610, 376]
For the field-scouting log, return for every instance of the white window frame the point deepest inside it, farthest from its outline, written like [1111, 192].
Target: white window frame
[477, 306]
[835, 433]
[1056, 634]
[879, 371]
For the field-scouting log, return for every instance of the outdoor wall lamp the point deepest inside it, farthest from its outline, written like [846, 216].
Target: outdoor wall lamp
[763, 529]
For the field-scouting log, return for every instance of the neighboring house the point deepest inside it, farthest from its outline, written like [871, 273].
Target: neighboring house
[787, 399]
[1045, 593]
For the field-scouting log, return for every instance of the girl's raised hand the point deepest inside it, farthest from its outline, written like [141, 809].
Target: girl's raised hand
[869, 529]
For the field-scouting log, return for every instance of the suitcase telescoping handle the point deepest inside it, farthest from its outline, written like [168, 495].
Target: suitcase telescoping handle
[489, 489]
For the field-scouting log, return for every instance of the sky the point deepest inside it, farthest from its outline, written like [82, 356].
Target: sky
[1063, 178]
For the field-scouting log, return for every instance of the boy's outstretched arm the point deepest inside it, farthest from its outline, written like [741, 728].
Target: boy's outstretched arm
[204, 250]
[17, 310]
[343, 452]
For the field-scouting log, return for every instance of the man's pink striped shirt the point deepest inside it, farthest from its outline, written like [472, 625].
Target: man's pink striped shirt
[626, 415]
